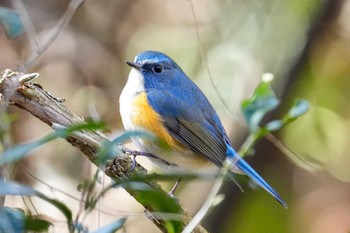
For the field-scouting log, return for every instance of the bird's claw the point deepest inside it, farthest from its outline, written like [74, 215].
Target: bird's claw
[133, 164]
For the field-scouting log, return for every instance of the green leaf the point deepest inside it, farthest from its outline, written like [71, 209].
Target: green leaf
[107, 151]
[20, 151]
[65, 131]
[11, 220]
[299, 108]
[36, 224]
[112, 227]
[60, 206]
[160, 203]
[11, 188]
[110, 149]
[132, 134]
[274, 125]
[11, 22]
[15, 220]
[261, 102]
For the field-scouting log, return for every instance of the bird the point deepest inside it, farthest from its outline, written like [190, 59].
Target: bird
[160, 99]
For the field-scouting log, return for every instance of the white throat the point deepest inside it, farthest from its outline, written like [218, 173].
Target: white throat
[133, 87]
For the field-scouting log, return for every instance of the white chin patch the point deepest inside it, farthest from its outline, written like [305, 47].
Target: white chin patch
[136, 78]
[133, 87]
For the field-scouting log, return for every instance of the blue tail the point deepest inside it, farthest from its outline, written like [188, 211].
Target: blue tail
[238, 162]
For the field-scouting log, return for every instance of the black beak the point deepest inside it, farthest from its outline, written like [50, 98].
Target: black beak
[133, 65]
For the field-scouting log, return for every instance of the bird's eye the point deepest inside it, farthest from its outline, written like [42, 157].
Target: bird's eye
[158, 69]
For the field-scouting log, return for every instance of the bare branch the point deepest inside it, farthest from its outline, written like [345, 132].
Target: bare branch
[18, 90]
[41, 47]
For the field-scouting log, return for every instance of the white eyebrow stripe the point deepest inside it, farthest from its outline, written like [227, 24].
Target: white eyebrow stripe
[147, 60]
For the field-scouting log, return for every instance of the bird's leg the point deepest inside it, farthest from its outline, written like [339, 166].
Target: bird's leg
[172, 191]
[135, 153]
[133, 165]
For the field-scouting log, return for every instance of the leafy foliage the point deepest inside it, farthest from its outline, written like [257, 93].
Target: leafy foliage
[263, 101]
[11, 220]
[18, 220]
[161, 203]
[22, 150]
[36, 224]
[110, 148]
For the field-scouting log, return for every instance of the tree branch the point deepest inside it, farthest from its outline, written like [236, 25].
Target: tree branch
[18, 89]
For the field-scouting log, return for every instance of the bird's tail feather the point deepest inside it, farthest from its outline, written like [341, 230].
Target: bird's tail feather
[238, 162]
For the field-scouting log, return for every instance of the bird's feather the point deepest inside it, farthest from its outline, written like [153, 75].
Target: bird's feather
[196, 131]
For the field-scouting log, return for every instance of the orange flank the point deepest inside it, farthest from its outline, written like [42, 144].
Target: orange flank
[146, 118]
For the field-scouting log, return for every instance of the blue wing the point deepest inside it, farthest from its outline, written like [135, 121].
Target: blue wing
[191, 125]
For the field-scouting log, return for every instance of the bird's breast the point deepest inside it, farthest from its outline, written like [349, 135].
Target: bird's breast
[165, 146]
[144, 117]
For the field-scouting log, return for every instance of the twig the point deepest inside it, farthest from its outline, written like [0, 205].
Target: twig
[18, 90]
[27, 23]
[41, 47]
[203, 211]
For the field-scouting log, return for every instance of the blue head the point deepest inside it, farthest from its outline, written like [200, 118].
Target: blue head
[160, 73]
[159, 70]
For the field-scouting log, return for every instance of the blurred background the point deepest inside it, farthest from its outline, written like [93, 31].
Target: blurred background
[225, 47]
